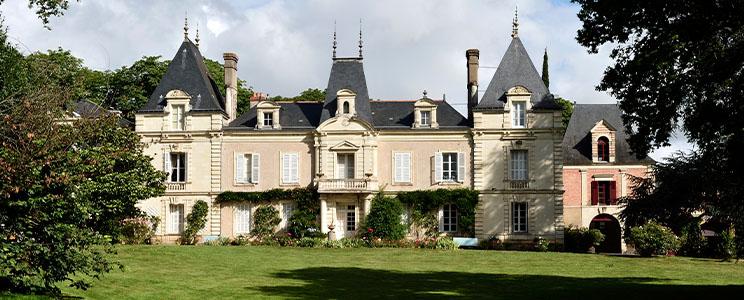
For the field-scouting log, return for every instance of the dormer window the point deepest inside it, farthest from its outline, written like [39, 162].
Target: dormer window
[268, 119]
[267, 115]
[518, 103]
[176, 109]
[425, 114]
[345, 99]
[425, 118]
[518, 114]
[603, 149]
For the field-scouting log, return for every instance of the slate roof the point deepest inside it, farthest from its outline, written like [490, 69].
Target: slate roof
[577, 141]
[399, 114]
[87, 109]
[516, 68]
[347, 73]
[188, 73]
[292, 115]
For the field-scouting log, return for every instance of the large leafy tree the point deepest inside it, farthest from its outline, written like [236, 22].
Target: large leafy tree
[678, 64]
[64, 185]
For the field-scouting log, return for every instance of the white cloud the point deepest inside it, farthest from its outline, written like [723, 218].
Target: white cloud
[285, 46]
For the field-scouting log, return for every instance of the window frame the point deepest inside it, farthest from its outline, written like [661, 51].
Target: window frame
[178, 167]
[603, 149]
[520, 217]
[268, 117]
[519, 114]
[401, 168]
[292, 175]
[452, 165]
[178, 117]
[175, 225]
[519, 167]
[351, 215]
[425, 121]
[450, 218]
[240, 228]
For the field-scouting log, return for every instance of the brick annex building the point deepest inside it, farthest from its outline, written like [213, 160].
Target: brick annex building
[509, 148]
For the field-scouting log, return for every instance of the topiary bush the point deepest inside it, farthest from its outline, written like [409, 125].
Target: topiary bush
[384, 219]
[653, 239]
[195, 221]
[265, 220]
[581, 240]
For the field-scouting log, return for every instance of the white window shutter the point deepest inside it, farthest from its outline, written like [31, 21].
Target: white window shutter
[438, 167]
[461, 167]
[397, 167]
[295, 168]
[285, 168]
[406, 167]
[239, 167]
[256, 167]
[167, 165]
[440, 218]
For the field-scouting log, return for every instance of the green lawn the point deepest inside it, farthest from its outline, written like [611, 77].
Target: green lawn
[204, 272]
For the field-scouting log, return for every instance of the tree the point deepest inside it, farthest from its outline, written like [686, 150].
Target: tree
[310, 94]
[545, 74]
[47, 8]
[217, 71]
[679, 64]
[384, 219]
[131, 86]
[195, 221]
[566, 111]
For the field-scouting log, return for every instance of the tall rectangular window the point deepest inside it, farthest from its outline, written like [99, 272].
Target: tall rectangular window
[425, 118]
[178, 167]
[268, 119]
[519, 216]
[449, 166]
[449, 218]
[402, 165]
[604, 193]
[519, 165]
[345, 165]
[518, 114]
[177, 117]
[175, 218]
[350, 218]
[287, 211]
[242, 219]
[290, 168]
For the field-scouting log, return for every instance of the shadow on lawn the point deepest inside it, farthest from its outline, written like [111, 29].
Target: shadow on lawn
[345, 283]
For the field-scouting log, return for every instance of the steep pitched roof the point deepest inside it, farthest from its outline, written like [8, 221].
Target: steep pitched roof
[399, 114]
[516, 68]
[292, 115]
[188, 73]
[577, 141]
[347, 73]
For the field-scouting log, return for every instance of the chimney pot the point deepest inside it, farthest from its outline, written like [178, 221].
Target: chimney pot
[231, 84]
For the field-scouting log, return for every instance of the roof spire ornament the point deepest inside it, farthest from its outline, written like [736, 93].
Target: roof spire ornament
[334, 39]
[425, 94]
[197, 35]
[186, 27]
[515, 23]
[360, 38]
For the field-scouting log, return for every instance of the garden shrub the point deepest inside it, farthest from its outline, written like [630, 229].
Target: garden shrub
[581, 240]
[725, 246]
[304, 223]
[445, 243]
[332, 244]
[265, 219]
[195, 221]
[139, 230]
[220, 241]
[692, 242]
[541, 245]
[492, 243]
[384, 219]
[653, 239]
[240, 240]
[308, 242]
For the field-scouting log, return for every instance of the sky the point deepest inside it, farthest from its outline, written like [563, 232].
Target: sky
[284, 46]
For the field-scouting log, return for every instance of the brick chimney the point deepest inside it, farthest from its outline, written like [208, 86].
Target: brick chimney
[231, 84]
[472, 56]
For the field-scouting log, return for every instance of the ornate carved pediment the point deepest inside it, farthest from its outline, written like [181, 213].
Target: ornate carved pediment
[517, 90]
[344, 146]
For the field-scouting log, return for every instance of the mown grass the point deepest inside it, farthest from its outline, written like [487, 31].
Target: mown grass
[204, 272]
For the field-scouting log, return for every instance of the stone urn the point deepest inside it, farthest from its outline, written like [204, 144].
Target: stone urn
[331, 233]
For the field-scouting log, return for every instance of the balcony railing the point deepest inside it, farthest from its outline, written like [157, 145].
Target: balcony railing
[175, 186]
[519, 184]
[346, 185]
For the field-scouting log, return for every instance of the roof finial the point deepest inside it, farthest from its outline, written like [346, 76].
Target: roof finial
[186, 26]
[425, 94]
[334, 39]
[197, 35]
[360, 38]
[515, 23]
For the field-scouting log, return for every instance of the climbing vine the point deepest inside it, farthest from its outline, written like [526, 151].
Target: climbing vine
[426, 203]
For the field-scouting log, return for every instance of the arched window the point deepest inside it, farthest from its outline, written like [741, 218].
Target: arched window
[603, 149]
[346, 107]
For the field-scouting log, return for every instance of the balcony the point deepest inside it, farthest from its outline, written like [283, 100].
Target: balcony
[346, 185]
[175, 186]
[519, 184]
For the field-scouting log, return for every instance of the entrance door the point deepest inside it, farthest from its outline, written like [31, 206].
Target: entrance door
[610, 227]
[345, 163]
[346, 220]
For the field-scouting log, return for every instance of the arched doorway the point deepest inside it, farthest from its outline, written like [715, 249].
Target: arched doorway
[610, 227]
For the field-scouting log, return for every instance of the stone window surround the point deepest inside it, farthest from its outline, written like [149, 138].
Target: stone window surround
[345, 96]
[176, 98]
[425, 105]
[267, 107]
[521, 94]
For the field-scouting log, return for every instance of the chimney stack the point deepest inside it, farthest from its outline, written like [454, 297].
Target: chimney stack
[472, 56]
[231, 84]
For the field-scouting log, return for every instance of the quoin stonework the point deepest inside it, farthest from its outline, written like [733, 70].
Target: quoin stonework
[509, 148]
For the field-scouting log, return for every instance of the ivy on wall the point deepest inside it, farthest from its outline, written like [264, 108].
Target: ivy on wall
[306, 198]
[425, 205]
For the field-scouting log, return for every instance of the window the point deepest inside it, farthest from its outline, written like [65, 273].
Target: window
[402, 165]
[519, 165]
[177, 117]
[247, 167]
[290, 167]
[346, 107]
[604, 193]
[242, 219]
[518, 113]
[268, 119]
[178, 167]
[345, 164]
[175, 218]
[519, 216]
[350, 218]
[287, 211]
[449, 218]
[425, 118]
[603, 149]
[449, 166]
